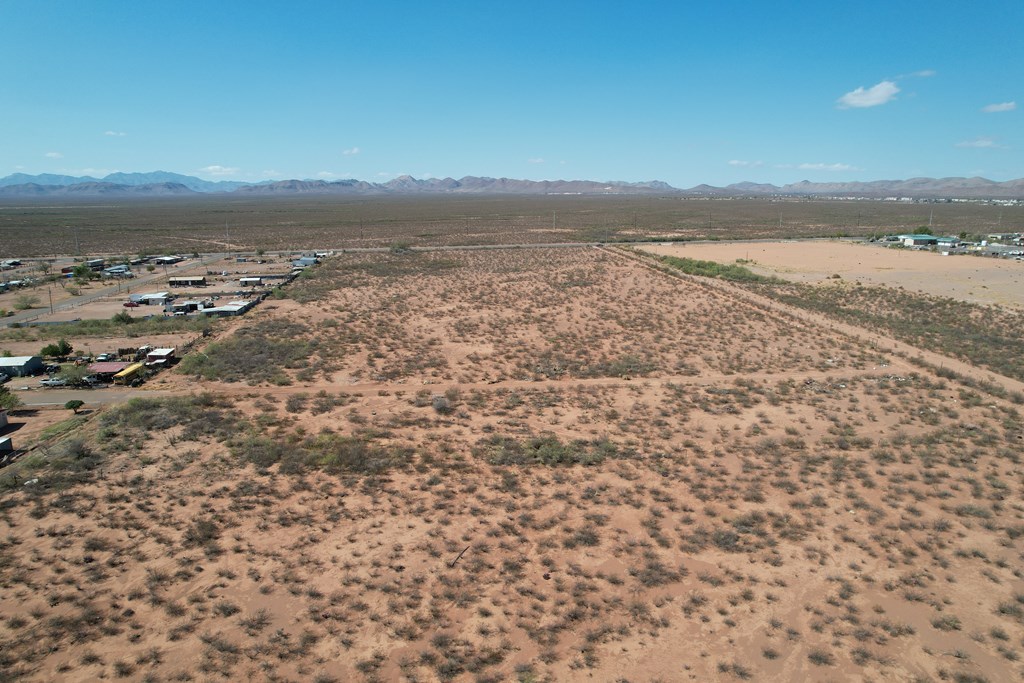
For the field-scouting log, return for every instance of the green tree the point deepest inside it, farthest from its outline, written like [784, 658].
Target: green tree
[61, 349]
[74, 405]
[123, 318]
[82, 272]
[26, 301]
[74, 374]
[8, 400]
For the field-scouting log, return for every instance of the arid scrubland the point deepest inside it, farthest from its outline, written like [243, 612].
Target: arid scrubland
[42, 226]
[532, 464]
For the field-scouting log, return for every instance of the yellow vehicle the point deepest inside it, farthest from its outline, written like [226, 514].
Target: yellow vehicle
[131, 375]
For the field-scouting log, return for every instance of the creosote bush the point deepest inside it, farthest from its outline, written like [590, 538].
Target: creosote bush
[545, 449]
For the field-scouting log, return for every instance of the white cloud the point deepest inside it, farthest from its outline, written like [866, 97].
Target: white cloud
[327, 175]
[53, 155]
[827, 167]
[924, 73]
[745, 164]
[350, 152]
[980, 143]
[114, 133]
[536, 160]
[1002, 106]
[870, 97]
[216, 170]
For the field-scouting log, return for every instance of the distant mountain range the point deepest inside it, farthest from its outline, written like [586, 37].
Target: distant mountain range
[162, 183]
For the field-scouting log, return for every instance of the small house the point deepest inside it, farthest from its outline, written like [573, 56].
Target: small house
[251, 281]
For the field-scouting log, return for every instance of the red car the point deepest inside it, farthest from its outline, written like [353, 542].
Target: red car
[130, 304]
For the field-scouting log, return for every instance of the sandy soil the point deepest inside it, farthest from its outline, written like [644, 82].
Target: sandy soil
[968, 278]
[758, 494]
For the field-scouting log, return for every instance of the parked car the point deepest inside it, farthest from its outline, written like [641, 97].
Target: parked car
[4, 378]
[131, 304]
[53, 382]
[51, 368]
[103, 357]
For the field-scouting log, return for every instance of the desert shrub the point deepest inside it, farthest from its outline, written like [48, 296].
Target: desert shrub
[981, 335]
[350, 454]
[138, 327]
[724, 271]
[546, 449]
[259, 450]
[201, 531]
[200, 415]
[256, 353]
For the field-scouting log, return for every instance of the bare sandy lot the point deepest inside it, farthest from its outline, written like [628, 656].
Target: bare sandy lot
[968, 278]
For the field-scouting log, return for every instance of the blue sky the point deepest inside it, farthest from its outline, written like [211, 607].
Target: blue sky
[682, 92]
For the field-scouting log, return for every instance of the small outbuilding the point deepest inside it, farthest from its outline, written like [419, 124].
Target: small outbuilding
[187, 281]
[21, 366]
[106, 370]
[166, 260]
[160, 357]
[153, 299]
[918, 240]
[229, 309]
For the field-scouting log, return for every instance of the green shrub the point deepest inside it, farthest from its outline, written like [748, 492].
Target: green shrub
[724, 271]
[546, 449]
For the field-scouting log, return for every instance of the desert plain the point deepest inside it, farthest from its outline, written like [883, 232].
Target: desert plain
[541, 464]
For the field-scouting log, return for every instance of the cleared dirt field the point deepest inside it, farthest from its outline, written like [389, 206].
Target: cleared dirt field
[967, 278]
[526, 465]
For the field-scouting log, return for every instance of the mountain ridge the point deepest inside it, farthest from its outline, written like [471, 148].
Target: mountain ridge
[164, 183]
